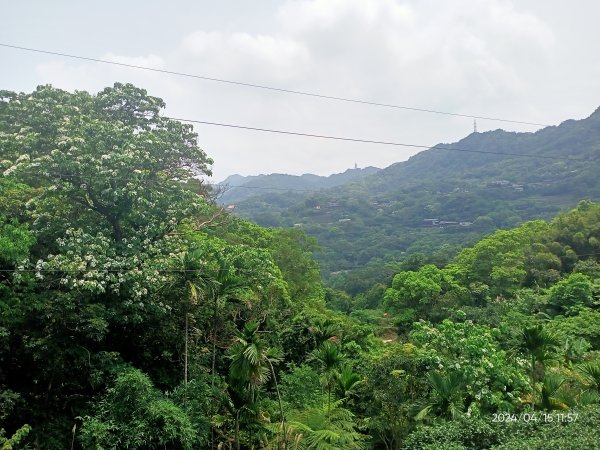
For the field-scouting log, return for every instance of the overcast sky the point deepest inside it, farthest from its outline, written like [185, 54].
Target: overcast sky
[528, 60]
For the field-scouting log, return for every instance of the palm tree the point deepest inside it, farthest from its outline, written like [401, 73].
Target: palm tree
[241, 404]
[220, 287]
[252, 366]
[329, 357]
[326, 426]
[552, 396]
[540, 345]
[224, 288]
[590, 377]
[347, 381]
[195, 287]
[193, 300]
[590, 372]
[323, 329]
[448, 393]
[588, 397]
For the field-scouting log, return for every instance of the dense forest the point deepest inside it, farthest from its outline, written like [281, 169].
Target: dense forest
[136, 313]
[439, 200]
[237, 188]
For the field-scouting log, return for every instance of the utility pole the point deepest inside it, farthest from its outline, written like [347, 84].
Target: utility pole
[474, 125]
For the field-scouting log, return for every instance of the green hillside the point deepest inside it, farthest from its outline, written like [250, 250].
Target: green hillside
[440, 200]
[136, 314]
[238, 188]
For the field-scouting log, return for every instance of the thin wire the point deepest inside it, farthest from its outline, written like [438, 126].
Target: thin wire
[270, 88]
[316, 136]
[369, 141]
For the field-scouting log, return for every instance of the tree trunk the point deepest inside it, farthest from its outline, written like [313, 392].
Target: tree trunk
[280, 406]
[212, 369]
[185, 351]
[214, 343]
[237, 429]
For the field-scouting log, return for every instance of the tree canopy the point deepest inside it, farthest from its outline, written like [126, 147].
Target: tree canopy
[136, 313]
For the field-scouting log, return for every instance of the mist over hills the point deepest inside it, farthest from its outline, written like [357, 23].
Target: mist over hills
[442, 198]
[240, 187]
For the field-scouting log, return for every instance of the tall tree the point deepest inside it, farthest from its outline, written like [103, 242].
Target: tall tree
[329, 358]
[109, 161]
[540, 345]
[252, 366]
[448, 395]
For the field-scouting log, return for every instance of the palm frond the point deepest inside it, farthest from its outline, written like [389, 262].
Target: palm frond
[552, 397]
[588, 397]
[424, 412]
[347, 381]
[252, 353]
[591, 373]
[325, 427]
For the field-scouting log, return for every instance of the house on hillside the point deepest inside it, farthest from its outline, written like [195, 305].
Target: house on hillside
[500, 183]
[431, 222]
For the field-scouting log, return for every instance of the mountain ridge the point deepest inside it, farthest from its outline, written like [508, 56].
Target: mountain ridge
[243, 187]
[445, 197]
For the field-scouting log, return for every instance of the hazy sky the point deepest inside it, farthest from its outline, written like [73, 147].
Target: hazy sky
[529, 60]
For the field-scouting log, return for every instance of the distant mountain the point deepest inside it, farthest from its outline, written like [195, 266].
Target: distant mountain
[440, 200]
[242, 188]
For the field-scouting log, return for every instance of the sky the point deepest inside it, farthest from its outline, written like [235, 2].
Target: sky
[527, 60]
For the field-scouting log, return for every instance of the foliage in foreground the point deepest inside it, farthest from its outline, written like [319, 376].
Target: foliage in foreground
[134, 313]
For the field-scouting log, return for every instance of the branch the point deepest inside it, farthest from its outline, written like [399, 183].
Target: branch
[219, 213]
[211, 221]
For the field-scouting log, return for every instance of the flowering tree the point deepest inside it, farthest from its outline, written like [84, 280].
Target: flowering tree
[100, 204]
[109, 161]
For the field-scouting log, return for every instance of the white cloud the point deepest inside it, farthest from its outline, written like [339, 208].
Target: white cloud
[423, 50]
[93, 76]
[241, 53]
[465, 56]
[152, 61]
[304, 17]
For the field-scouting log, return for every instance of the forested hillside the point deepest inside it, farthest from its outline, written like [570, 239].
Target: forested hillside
[440, 200]
[135, 313]
[237, 188]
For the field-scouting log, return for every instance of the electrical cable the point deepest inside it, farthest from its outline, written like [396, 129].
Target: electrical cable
[369, 141]
[270, 88]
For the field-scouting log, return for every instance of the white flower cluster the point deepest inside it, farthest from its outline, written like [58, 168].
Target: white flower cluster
[95, 264]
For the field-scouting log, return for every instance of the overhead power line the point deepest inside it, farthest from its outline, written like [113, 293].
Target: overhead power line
[270, 88]
[315, 136]
[377, 142]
